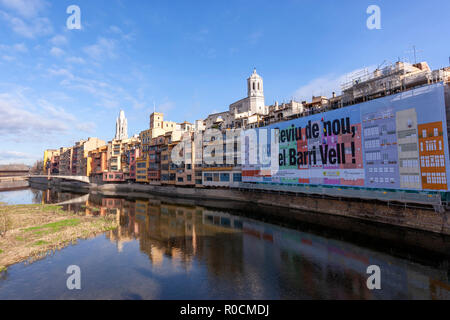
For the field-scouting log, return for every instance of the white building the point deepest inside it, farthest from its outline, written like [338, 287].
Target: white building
[121, 127]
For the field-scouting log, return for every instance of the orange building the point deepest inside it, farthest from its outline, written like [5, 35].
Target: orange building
[432, 156]
[98, 161]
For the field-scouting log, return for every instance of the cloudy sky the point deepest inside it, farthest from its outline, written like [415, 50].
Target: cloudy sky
[191, 58]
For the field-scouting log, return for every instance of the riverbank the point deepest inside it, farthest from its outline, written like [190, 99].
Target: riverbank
[8, 185]
[29, 232]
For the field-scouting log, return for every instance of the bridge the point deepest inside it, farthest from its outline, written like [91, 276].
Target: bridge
[82, 179]
[13, 179]
[81, 199]
[13, 183]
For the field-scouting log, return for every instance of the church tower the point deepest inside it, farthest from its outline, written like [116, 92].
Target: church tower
[255, 85]
[121, 127]
[256, 103]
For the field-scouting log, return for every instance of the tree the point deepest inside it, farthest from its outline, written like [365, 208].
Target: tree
[38, 167]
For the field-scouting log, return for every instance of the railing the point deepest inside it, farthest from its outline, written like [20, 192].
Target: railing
[426, 198]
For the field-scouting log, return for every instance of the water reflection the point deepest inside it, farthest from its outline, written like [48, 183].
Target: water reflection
[238, 251]
[200, 253]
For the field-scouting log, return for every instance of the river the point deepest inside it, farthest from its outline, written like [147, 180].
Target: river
[170, 251]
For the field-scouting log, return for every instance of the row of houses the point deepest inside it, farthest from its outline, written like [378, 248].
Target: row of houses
[147, 157]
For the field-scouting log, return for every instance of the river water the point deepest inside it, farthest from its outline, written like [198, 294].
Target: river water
[167, 251]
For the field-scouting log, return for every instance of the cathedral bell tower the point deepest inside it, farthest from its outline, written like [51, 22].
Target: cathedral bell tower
[255, 85]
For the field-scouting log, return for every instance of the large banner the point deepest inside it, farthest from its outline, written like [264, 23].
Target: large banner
[395, 142]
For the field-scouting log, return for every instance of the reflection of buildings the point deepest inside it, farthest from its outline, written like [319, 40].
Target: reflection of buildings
[244, 258]
[408, 149]
[432, 156]
[381, 151]
[127, 230]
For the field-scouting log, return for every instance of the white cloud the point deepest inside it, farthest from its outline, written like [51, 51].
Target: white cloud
[115, 29]
[61, 72]
[28, 29]
[25, 8]
[324, 85]
[102, 48]
[20, 122]
[8, 157]
[20, 47]
[56, 52]
[26, 117]
[8, 58]
[76, 60]
[166, 107]
[254, 37]
[56, 112]
[125, 36]
[88, 127]
[58, 40]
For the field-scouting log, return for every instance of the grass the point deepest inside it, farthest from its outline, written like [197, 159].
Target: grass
[1, 251]
[40, 243]
[51, 208]
[2, 268]
[54, 227]
[35, 230]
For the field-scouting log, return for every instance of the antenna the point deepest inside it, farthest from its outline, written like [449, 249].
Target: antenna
[415, 52]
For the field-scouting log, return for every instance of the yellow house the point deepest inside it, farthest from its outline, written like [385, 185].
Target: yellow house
[142, 170]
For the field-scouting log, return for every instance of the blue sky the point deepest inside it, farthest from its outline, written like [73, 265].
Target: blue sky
[191, 58]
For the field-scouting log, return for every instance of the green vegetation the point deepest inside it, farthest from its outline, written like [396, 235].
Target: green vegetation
[2, 269]
[54, 227]
[40, 243]
[51, 208]
[29, 232]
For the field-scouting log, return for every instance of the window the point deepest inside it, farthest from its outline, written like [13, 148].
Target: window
[436, 132]
[237, 177]
[225, 177]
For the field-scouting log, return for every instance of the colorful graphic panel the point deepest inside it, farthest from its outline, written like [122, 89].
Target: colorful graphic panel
[395, 142]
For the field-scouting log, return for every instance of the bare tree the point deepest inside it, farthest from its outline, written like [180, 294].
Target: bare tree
[38, 167]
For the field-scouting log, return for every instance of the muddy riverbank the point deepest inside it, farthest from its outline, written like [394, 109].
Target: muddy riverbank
[28, 232]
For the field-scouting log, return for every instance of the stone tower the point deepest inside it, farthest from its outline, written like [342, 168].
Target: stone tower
[255, 85]
[121, 127]
[255, 88]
